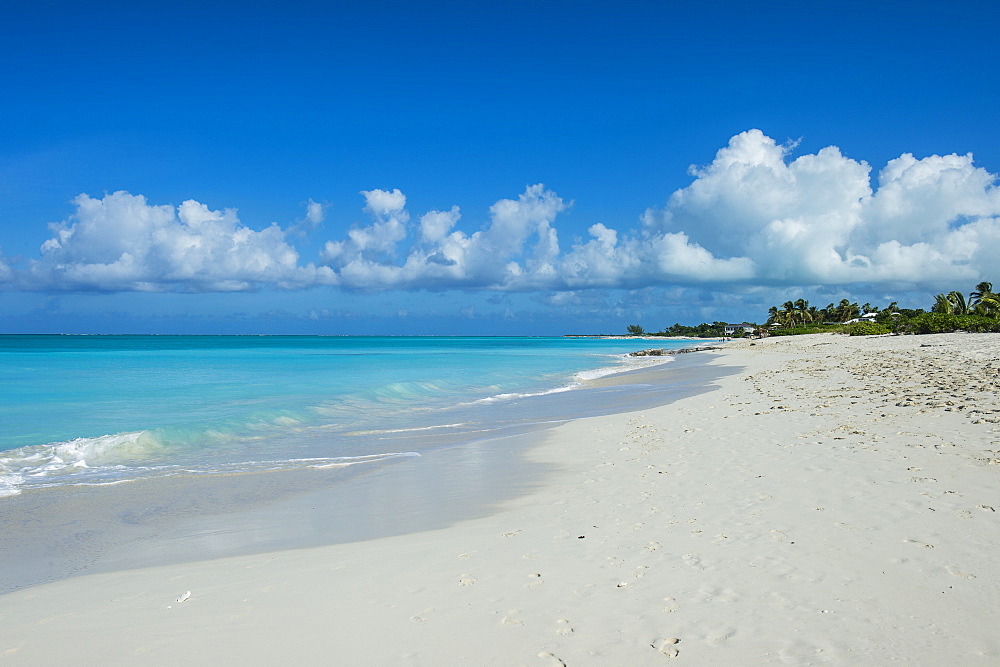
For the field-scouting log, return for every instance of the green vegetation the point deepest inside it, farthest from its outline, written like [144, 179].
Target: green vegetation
[950, 312]
[869, 329]
[810, 329]
[979, 313]
[800, 313]
[704, 330]
[946, 322]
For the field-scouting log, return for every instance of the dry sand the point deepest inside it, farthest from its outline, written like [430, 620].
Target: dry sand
[834, 501]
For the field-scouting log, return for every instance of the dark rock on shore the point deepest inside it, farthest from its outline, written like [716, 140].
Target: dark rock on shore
[662, 352]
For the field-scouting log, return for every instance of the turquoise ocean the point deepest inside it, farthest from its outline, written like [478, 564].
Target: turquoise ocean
[105, 410]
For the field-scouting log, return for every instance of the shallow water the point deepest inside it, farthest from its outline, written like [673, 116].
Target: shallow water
[107, 409]
[420, 463]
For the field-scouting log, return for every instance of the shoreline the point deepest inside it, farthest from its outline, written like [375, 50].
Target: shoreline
[833, 499]
[50, 534]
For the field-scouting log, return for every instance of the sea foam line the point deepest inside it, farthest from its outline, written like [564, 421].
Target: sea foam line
[13, 482]
[626, 364]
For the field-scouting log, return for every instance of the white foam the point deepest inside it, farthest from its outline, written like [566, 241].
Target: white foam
[626, 364]
[406, 430]
[71, 458]
[512, 396]
[125, 457]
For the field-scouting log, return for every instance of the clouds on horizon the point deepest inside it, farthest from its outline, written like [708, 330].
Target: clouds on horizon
[753, 216]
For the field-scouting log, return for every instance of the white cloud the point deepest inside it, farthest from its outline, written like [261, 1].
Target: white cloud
[121, 243]
[816, 220]
[374, 243]
[385, 204]
[753, 216]
[315, 212]
[517, 250]
[436, 225]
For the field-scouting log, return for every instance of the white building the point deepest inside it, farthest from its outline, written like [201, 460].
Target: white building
[730, 329]
[867, 317]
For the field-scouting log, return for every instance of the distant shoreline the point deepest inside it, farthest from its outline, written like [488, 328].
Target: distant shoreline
[643, 337]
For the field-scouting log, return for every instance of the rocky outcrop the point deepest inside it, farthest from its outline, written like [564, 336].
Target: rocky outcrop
[662, 352]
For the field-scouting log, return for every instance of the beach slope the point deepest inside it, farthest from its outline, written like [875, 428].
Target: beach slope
[835, 500]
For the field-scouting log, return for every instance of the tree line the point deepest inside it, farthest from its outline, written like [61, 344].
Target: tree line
[950, 311]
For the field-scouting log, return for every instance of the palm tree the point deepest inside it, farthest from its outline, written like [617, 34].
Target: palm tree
[787, 314]
[984, 301]
[982, 289]
[952, 303]
[988, 305]
[846, 311]
[802, 311]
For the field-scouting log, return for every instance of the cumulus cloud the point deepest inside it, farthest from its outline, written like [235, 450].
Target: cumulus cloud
[753, 216]
[816, 219]
[516, 250]
[376, 243]
[315, 212]
[122, 243]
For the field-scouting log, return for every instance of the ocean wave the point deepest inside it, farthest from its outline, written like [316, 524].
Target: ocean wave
[128, 457]
[415, 429]
[626, 364]
[515, 395]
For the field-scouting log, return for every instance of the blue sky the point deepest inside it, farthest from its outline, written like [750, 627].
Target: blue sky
[479, 168]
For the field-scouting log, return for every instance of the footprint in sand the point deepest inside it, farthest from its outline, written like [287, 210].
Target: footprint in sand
[672, 605]
[552, 658]
[511, 618]
[466, 580]
[667, 647]
[954, 571]
[694, 561]
[919, 544]
[421, 617]
[563, 627]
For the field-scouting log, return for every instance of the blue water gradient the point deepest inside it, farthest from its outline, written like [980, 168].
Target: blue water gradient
[107, 409]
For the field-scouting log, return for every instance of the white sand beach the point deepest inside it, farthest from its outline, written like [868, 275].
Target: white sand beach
[836, 500]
